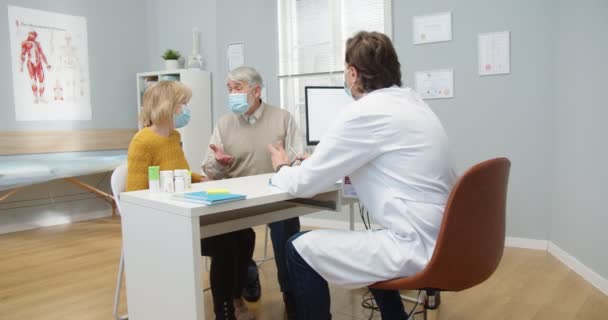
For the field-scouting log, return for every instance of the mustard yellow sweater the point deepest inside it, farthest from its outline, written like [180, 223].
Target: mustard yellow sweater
[150, 149]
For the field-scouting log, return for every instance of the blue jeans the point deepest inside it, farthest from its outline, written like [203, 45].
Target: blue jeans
[311, 291]
[280, 232]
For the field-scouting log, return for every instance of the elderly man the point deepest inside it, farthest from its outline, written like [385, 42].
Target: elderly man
[238, 149]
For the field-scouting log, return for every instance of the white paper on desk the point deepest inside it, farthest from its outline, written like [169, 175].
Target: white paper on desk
[433, 28]
[236, 55]
[435, 84]
[494, 53]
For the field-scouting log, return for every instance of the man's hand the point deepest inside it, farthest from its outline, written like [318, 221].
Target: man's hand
[278, 155]
[304, 156]
[220, 156]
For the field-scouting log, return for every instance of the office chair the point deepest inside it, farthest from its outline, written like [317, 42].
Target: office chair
[471, 239]
[118, 182]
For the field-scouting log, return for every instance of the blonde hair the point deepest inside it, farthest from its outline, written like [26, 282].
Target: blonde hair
[160, 101]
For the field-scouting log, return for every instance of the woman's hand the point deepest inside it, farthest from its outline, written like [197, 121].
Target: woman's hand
[198, 178]
[220, 156]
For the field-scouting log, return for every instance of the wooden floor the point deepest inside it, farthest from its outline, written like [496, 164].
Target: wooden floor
[69, 272]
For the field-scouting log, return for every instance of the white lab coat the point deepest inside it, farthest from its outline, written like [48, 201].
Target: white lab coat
[395, 151]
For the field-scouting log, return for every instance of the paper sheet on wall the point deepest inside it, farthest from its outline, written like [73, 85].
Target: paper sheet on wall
[50, 64]
[433, 28]
[494, 53]
[435, 84]
[236, 55]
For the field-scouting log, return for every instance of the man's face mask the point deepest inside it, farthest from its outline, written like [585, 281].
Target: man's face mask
[348, 89]
[181, 119]
[237, 102]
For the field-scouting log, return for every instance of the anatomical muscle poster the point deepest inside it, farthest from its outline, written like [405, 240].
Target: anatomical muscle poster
[50, 64]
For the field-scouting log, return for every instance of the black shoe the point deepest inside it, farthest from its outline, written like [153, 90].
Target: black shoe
[223, 309]
[290, 306]
[253, 289]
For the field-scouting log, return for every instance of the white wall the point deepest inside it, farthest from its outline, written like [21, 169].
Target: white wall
[579, 210]
[170, 25]
[253, 23]
[117, 50]
[506, 115]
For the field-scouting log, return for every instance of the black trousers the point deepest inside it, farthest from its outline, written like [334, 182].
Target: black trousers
[230, 255]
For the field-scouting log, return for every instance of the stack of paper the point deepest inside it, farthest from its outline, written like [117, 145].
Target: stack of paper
[208, 198]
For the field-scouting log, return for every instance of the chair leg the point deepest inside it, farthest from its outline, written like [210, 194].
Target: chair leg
[431, 314]
[432, 301]
[121, 267]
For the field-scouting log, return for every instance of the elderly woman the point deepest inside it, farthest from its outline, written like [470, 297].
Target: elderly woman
[158, 144]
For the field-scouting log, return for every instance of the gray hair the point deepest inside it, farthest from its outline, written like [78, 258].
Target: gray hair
[247, 74]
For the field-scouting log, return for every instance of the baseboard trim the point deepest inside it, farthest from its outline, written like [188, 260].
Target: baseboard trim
[526, 243]
[582, 270]
[567, 259]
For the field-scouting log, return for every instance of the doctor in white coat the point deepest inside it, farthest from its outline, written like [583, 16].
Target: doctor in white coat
[395, 151]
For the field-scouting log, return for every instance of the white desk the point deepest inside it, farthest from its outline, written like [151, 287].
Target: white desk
[161, 240]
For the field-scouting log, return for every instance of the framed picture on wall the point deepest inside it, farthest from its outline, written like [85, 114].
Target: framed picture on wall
[50, 65]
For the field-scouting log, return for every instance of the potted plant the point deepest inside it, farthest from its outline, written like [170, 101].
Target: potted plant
[171, 59]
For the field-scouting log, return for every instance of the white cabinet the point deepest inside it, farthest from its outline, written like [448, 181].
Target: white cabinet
[196, 135]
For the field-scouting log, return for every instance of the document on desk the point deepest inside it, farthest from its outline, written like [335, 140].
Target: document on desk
[203, 197]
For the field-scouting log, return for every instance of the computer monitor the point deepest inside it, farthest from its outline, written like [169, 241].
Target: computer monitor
[322, 107]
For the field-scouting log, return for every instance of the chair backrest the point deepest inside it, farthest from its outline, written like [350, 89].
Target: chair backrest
[118, 182]
[472, 235]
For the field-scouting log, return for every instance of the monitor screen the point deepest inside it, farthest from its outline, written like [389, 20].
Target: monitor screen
[322, 107]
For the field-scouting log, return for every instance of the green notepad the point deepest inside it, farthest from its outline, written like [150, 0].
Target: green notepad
[208, 199]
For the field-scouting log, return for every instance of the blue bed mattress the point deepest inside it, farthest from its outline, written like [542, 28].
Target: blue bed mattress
[20, 170]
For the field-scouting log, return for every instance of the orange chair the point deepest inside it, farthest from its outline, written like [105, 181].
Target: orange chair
[471, 239]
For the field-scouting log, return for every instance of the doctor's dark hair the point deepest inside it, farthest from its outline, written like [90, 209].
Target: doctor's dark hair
[375, 58]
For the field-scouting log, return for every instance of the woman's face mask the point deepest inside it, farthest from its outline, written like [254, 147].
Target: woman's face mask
[237, 102]
[182, 118]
